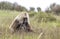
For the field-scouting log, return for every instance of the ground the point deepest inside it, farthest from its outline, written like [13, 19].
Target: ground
[50, 30]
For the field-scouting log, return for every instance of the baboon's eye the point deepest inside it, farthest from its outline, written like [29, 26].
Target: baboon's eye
[25, 19]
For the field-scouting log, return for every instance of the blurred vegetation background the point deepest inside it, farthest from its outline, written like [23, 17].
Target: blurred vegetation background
[4, 5]
[46, 22]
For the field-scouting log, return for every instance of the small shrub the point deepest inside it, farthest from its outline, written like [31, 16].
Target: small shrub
[44, 17]
[32, 14]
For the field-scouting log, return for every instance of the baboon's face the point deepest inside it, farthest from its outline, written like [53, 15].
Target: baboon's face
[25, 20]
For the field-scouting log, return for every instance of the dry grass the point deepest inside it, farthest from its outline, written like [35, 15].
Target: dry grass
[49, 30]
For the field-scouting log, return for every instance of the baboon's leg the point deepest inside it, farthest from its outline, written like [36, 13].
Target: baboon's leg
[28, 28]
[15, 24]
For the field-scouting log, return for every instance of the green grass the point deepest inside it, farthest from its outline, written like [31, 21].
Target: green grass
[50, 29]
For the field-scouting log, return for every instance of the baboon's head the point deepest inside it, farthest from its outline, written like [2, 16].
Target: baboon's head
[25, 19]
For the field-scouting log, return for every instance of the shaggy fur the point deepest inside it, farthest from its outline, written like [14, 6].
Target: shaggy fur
[22, 20]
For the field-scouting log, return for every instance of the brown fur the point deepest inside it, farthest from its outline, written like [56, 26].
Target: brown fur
[18, 22]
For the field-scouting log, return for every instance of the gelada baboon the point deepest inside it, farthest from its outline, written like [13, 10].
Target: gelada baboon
[22, 20]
